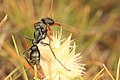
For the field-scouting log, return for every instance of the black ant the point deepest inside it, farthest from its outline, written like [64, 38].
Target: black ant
[42, 29]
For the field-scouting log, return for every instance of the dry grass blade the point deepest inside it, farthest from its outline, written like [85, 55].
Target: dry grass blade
[3, 35]
[70, 28]
[11, 78]
[16, 77]
[99, 76]
[108, 72]
[21, 65]
[118, 70]
[12, 53]
[35, 72]
[2, 22]
[95, 78]
[16, 69]
[51, 7]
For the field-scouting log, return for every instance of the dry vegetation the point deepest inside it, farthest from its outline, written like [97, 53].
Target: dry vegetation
[95, 25]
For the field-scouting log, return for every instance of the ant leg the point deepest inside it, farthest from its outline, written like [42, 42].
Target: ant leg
[28, 38]
[28, 61]
[43, 37]
[49, 32]
[45, 34]
[26, 57]
[44, 44]
[26, 51]
[57, 59]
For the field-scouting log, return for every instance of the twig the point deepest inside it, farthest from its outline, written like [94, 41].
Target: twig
[24, 73]
[51, 7]
[95, 78]
[35, 72]
[108, 72]
[100, 76]
[15, 70]
[118, 70]
[3, 21]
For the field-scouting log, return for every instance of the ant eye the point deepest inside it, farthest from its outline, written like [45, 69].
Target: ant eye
[43, 20]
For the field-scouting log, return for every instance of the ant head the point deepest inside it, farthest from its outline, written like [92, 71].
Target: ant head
[47, 20]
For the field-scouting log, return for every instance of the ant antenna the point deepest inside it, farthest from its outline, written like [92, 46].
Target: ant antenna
[57, 59]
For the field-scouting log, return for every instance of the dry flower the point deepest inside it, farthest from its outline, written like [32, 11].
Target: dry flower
[64, 49]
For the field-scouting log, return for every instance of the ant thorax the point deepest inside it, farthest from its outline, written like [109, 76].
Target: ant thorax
[39, 25]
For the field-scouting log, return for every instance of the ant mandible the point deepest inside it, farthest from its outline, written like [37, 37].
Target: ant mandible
[42, 29]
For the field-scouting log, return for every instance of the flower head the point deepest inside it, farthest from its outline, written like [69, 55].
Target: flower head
[64, 50]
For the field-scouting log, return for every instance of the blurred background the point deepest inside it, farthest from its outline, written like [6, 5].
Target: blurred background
[94, 24]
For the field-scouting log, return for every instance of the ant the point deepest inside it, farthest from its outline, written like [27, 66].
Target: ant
[42, 29]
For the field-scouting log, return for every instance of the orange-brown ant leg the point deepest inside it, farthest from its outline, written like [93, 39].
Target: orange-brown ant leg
[49, 33]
